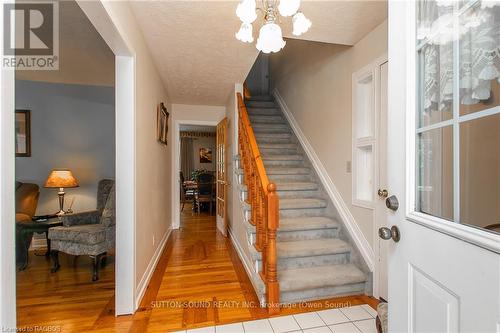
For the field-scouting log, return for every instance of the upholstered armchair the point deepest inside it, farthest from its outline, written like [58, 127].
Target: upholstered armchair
[89, 233]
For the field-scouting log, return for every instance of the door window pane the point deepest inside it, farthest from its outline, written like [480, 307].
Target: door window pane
[435, 33]
[458, 45]
[435, 172]
[479, 58]
[480, 171]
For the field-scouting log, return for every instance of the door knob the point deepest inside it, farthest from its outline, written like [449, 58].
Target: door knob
[382, 193]
[386, 233]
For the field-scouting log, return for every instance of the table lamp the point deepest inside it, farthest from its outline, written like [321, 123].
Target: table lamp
[61, 178]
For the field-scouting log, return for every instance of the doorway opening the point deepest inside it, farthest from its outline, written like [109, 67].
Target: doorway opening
[65, 177]
[197, 174]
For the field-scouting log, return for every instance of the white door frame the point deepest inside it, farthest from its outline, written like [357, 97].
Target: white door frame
[176, 165]
[125, 153]
[7, 194]
[377, 223]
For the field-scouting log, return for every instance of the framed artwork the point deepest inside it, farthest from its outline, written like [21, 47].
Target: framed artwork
[162, 124]
[205, 155]
[23, 133]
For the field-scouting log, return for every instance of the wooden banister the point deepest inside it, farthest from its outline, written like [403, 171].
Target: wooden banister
[264, 203]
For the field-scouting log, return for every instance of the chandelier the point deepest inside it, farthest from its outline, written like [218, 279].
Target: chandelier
[270, 35]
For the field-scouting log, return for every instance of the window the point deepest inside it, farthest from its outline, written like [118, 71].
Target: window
[458, 111]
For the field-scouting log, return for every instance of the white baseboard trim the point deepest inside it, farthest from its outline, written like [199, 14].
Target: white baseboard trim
[250, 272]
[346, 216]
[143, 284]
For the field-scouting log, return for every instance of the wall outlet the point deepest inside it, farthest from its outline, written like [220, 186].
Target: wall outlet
[348, 167]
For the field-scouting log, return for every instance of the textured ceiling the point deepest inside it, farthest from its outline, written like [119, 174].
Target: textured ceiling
[199, 59]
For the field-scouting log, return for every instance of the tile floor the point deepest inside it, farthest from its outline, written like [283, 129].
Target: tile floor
[354, 319]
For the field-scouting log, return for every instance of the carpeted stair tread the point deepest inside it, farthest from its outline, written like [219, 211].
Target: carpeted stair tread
[266, 119]
[287, 171]
[313, 247]
[278, 146]
[261, 98]
[259, 104]
[302, 203]
[272, 135]
[298, 186]
[282, 157]
[307, 223]
[289, 186]
[319, 277]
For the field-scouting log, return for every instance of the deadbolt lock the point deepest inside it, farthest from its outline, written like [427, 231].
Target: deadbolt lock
[383, 193]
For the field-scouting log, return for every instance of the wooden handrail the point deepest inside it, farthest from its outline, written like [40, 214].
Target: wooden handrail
[264, 202]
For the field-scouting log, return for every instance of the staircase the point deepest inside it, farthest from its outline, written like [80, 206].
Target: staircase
[316, 258]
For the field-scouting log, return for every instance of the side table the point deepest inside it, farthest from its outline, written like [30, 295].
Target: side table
[24, 234]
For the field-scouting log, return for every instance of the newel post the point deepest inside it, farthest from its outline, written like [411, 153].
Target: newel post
[273, 290]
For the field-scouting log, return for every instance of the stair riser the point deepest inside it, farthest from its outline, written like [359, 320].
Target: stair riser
[266, 151]
[307, 262]
[290, 178]
[302, 212]
[270, 129]
[287, 236]
[263, 112]
[288, 213]
[265, 119]
[322, 293]
[280, 163]
[297, 194]
[261, 98]
[260, 104]
[283, 139]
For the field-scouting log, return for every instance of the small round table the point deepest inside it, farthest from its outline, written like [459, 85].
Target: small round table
[24, 234]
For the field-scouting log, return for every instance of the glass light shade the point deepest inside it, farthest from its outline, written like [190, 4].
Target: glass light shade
[245, 34]
[288, 7]
[300, 24]
[246, 11]
[270, 38]
[61, 178]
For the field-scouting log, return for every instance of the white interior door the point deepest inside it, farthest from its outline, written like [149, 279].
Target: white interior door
[444, 276]
[381, 210]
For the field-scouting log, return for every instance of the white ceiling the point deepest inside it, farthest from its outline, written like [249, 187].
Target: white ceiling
[199, 59]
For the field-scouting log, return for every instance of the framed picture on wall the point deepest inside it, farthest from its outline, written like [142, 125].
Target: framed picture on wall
[162, 123]
[23, 133]
[205, 155]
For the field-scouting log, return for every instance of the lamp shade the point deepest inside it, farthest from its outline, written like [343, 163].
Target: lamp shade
[61, 178]
[245, 33]
[270, 38]
[300, 24]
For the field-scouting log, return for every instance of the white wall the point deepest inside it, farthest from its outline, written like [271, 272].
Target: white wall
[72, 126]
[314, 79]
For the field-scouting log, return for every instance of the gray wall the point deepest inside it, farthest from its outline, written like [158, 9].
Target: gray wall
[72, 126]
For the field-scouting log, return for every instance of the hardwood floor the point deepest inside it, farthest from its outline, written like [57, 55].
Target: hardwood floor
[199, 281]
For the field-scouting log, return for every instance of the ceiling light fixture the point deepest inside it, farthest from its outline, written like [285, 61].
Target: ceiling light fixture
[270, 35]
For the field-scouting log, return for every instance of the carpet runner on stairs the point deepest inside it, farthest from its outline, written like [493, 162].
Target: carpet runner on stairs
[316, 259]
